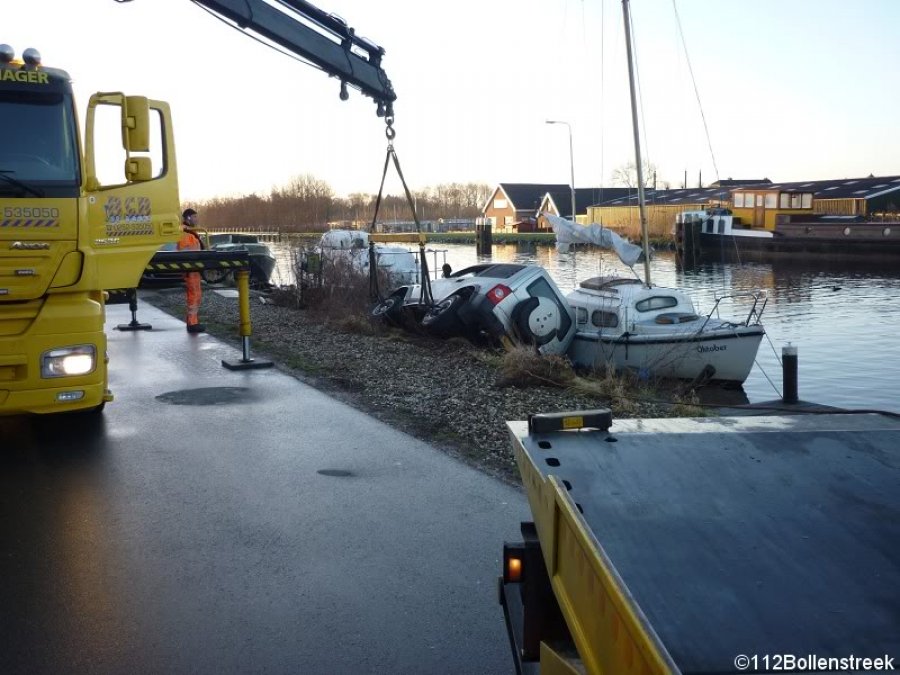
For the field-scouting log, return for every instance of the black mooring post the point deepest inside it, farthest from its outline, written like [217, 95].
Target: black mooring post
[484, 240]
[132, 305]
[789, 371]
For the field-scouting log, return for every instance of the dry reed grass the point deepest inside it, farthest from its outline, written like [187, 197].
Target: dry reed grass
[524, 367]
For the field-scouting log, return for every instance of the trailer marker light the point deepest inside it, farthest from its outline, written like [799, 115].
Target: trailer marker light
[513, 570]
[513, 562]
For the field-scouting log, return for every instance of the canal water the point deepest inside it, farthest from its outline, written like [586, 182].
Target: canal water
[843, 319]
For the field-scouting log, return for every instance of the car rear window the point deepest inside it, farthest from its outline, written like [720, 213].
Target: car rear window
[500, 271]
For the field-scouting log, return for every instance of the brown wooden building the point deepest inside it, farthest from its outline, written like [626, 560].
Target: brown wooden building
[513, 203]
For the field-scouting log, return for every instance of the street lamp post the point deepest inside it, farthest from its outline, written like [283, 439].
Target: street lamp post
[571, 162]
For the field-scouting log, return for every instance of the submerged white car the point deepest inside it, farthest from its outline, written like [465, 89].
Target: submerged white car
[493, 301]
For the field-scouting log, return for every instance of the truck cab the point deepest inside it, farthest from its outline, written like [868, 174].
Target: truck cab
[71, 228]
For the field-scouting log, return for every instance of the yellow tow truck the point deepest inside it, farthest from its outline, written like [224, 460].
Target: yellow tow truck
[65, 236]
[74, 224]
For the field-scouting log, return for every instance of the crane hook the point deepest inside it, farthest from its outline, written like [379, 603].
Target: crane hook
[344, 93]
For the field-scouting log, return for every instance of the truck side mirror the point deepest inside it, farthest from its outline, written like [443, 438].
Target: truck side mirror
[138, 169]
[136, 125]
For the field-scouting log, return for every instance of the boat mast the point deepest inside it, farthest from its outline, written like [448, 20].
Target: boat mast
[637, 146]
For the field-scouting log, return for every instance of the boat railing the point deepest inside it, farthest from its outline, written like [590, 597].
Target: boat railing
[436, 270]
[760, 300]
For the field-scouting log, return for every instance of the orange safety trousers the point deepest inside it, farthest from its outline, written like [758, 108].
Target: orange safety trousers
[193, 296]
[193, 293]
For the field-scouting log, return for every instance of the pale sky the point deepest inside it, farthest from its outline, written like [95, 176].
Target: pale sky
[790, 89]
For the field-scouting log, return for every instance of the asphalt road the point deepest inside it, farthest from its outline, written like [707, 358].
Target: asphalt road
[212, 521]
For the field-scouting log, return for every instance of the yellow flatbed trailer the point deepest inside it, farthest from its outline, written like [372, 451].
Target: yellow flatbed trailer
[715, 545]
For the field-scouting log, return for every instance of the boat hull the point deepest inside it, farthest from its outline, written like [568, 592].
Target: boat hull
[262, 263]
[735, 248]
[716, 237]
[730, 353]
[261, 268]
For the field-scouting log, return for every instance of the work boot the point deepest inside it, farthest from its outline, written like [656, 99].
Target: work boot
[196, 328]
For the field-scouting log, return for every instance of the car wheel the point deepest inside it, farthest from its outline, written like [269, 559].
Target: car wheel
[389, 310]
[442, 318]
[536, 320]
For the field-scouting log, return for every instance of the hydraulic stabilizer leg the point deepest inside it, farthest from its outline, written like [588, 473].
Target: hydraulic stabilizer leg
[132, 305]
[243, 284]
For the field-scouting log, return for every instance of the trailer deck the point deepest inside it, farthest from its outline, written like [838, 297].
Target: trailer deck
[678, 545]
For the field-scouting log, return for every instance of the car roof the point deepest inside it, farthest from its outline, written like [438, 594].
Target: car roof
[490, 270]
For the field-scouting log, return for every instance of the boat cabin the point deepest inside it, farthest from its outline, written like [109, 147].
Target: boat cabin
[616, 303]
[758, 207]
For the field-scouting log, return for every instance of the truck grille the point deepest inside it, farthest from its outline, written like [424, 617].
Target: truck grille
[15, 317]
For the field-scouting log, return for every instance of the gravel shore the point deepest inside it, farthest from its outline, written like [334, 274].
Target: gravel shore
[446, 392]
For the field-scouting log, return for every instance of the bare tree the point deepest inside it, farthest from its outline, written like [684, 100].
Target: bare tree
[626, 174]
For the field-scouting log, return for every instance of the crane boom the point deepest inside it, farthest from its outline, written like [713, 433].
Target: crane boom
[326, 41]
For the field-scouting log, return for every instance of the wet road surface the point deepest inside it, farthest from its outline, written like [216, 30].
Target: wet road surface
[240, 522]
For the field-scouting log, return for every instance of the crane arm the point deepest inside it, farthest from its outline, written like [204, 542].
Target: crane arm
[323, 39]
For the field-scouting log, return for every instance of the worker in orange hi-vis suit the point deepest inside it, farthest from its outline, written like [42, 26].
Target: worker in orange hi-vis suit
[190, 241]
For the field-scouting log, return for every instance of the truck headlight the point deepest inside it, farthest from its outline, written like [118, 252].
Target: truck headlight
[69, 361]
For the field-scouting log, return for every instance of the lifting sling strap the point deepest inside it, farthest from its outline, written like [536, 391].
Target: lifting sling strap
[375, 295]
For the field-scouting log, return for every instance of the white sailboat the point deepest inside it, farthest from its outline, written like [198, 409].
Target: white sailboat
[633, 325]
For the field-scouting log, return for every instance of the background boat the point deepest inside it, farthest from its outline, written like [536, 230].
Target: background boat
[262, 260]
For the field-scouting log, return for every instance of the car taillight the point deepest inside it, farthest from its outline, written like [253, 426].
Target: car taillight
[498, 293]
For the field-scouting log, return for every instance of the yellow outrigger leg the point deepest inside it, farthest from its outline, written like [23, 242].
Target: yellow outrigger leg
[246, 363]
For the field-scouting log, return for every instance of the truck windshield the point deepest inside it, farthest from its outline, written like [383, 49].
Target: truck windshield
[39, 152]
